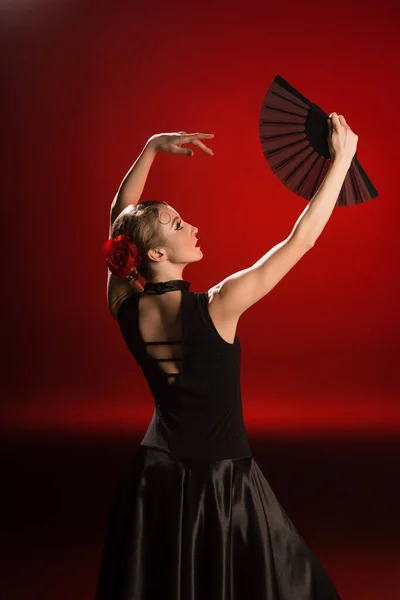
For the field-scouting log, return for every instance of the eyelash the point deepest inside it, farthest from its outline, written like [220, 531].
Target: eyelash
[180, 223]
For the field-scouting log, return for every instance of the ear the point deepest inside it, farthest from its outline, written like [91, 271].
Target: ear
[157, 254]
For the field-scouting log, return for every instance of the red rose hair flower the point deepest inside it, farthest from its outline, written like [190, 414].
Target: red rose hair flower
[122, 256]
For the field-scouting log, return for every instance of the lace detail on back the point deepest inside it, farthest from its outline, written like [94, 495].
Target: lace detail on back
[160, 328]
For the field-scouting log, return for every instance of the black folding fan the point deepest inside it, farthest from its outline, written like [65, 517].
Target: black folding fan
[294, 139]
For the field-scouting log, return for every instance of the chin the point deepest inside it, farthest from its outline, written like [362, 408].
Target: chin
[200, 255]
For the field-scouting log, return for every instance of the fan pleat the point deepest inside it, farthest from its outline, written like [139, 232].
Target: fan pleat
[324, 166]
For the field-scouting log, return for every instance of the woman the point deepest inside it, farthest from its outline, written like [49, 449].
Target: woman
[194, 518]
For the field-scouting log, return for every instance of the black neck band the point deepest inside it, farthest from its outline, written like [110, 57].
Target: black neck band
[160, 287]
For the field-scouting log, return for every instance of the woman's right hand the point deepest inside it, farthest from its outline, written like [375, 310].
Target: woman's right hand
[342, 141]
[171, 142]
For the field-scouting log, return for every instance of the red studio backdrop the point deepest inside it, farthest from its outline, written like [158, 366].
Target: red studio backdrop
[86, 85]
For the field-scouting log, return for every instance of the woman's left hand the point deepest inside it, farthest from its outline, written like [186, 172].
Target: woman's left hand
[171, 142]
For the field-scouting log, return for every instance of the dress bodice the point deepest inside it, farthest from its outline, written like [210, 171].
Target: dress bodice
[198, 406]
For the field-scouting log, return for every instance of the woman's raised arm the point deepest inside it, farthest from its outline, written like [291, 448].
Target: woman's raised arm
[239, 291]
[131, 188]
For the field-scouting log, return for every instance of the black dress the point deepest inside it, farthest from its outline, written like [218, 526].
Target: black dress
[194, 517]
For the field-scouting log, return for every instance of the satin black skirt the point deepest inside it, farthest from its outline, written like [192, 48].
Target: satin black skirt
[184, 529]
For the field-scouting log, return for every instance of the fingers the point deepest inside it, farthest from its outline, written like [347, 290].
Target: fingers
[188, 152]
[179, 150]
[195, 136]
[201, 135]
[202, 146]
[336, 120]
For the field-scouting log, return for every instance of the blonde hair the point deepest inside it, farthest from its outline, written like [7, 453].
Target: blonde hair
[140, 223]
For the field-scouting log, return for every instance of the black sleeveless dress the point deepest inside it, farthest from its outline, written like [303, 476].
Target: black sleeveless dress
[194, 517]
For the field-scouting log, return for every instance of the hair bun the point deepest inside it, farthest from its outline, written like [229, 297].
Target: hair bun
[133, 275]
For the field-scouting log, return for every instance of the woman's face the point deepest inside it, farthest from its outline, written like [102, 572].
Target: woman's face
[181, 237]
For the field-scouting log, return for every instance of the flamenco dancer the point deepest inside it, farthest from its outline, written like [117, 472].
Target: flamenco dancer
[193, 517]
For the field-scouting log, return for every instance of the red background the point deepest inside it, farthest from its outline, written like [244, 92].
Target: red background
[85, 85]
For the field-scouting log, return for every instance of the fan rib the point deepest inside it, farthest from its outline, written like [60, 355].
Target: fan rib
[368, 183]
[356, 191]
[281, 135]
[307, 174]
[289, 88]
[282, 110]
[317, 179]
[288, 99]
[272, 152]
[292, 156]
[290, 175]
[282, 123]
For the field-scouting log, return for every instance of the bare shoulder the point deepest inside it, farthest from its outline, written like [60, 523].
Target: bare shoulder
[230, 298]
[224, 323]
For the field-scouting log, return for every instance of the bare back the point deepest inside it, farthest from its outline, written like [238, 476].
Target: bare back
[160, 327]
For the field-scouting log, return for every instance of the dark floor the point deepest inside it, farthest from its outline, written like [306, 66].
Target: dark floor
[341, 494]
